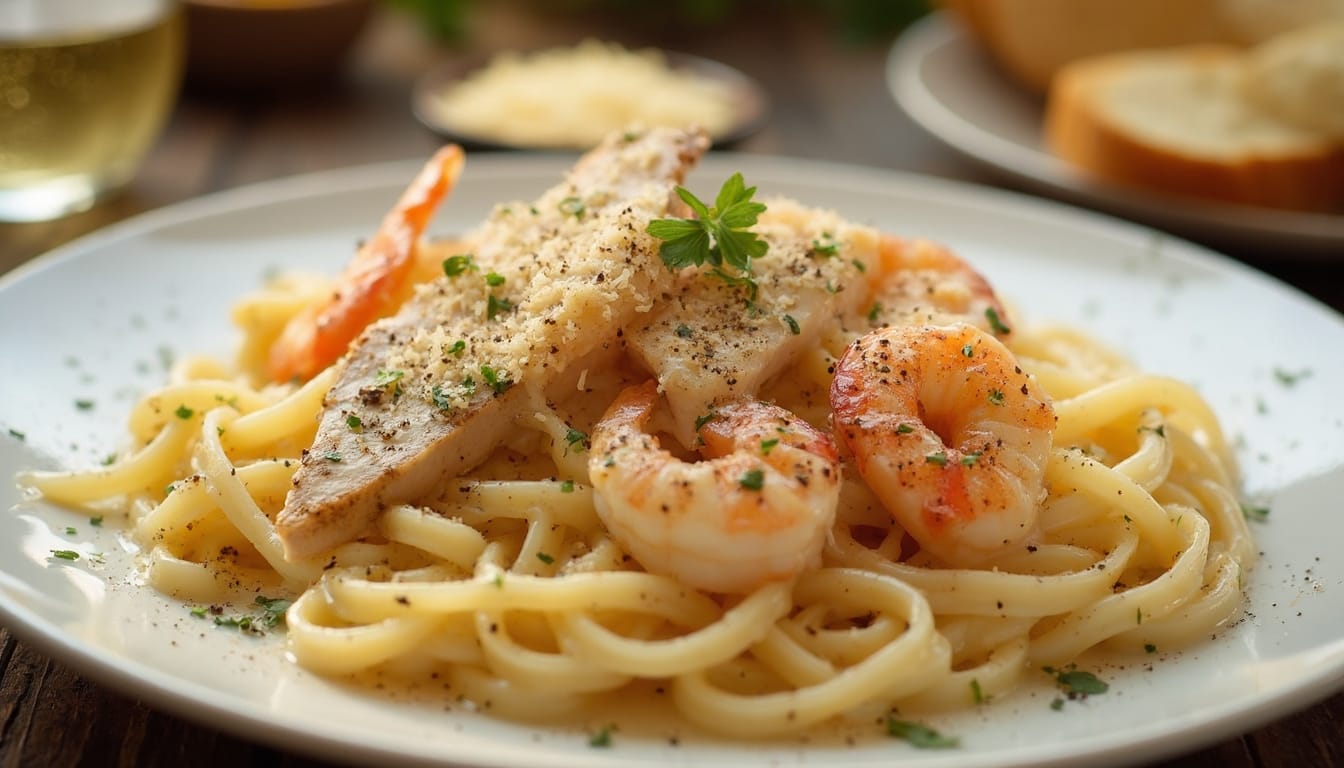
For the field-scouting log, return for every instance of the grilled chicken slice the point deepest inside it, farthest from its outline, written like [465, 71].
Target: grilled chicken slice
[428, 393]
[707, 345]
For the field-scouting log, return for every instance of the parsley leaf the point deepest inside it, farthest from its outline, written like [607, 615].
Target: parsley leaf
[753, 479]
[1255, 514]
[920, 736]
[1076, 682]
[602, 738]
[384, 378]
[456, 265]
[718, 236]
[576, 440]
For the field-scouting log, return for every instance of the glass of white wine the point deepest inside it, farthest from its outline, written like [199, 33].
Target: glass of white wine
[85, 88]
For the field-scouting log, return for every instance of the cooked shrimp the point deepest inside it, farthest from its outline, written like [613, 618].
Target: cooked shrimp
[756, 510]
[917, 282]
[949, 433]
[374, 282]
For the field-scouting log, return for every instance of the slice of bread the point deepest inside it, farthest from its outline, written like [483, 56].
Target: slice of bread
[1179, 121]
[1032, 39]
[1299, 76]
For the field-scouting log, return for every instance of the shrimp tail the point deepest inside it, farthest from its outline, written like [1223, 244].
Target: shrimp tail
[372, 281]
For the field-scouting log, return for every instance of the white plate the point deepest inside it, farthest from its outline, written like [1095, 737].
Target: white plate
[90, 321]
[948, 84]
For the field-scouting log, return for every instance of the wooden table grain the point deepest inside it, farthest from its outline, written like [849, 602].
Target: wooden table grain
[829, 102]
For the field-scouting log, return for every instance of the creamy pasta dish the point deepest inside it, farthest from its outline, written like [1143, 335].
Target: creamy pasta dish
[787, 468]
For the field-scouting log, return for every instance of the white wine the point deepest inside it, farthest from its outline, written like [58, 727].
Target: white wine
[79, 109]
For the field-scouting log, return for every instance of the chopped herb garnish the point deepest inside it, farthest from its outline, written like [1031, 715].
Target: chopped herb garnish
[17, 435]
[753, 479]
[683, 331]
[96, 521]
[968, 351]
[701, 421]
[859, 265]
[199, 611]
[977, 695]
[469, 384]
[1076, 682]
[169, 488]
[904, 429]
[458, 348]
[272, 615]
[332, 456]
[456, 265]
[495, 381]
[919, 736]
[969, 459]
[494, 279]
[1149, 648]
[354, 423]
[995, 322]
[1138, 615]
[939, 458]
[70, 530]
[494, 306]
[545, 558]
[384, 378]
[794, 328]
[272, 610]
[83, 405]
[567, 486]
[1289, 378]
[572, 206]
[874, 312]
[576, 439]
[602, 738]
[766, 445]
[995, 397]
[109, 459]
[1057, 704]
[719, 235]
[183, 412]
[440, 397]
[65, 554]
[499, 579]
[1255, 514]
[824, 246]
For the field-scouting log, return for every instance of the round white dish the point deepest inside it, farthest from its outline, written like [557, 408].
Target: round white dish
[751, 104]
[95, 320]
[950, 87]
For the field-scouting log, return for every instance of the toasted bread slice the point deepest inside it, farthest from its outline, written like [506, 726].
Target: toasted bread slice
[1179, 120]
[1299, 76]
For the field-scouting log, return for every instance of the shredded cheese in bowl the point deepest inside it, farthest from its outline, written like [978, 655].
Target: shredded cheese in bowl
[572, 97]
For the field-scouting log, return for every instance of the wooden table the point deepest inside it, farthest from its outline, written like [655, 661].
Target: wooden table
[830, 102]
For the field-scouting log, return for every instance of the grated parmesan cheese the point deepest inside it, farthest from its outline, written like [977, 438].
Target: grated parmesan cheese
[572, 97]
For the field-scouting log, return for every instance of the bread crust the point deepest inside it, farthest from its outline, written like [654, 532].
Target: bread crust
[1033, 39]
[1307, 175]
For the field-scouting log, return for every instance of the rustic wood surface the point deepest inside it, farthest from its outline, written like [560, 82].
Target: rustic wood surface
[830, 102]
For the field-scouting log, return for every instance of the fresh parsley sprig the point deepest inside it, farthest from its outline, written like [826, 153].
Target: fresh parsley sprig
[719, 236]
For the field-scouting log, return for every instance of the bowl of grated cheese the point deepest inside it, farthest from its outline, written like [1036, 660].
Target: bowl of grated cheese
[568, 98]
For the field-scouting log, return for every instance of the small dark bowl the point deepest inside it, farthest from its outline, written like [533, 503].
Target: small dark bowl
[247, 46]
[752, 105]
